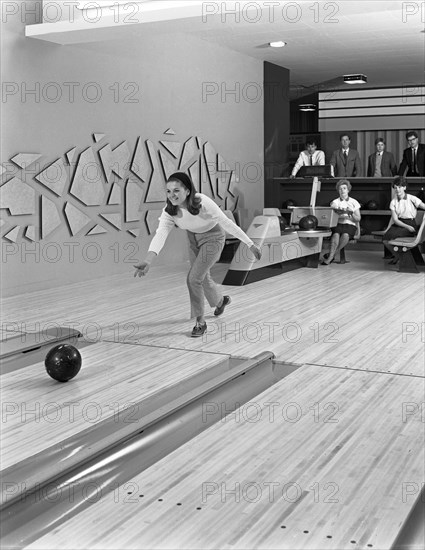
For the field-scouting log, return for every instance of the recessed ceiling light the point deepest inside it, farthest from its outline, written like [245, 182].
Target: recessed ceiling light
[307, 107]
[278, 44]
[355, 79]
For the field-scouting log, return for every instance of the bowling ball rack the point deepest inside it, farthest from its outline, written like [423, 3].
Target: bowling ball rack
[18, 348]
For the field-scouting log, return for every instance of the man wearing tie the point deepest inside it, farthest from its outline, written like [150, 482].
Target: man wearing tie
[345, 162]
[310, 157]
[413, 157]
[381, 164]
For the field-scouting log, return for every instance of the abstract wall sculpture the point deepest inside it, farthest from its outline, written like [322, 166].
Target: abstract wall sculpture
[17, 197]
[54, 177]
[50, 218]
[103, 189]
[25, 160]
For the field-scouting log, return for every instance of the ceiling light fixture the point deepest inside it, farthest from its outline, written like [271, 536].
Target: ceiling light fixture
[278, 44]
[307, 107]
[355, 78]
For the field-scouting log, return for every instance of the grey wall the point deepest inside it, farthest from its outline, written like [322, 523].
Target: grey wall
[170, 71]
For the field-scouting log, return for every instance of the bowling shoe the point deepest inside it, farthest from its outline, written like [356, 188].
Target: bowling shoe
[219, 309]
[199, 330]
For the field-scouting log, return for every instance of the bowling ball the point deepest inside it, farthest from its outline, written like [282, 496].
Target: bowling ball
[289, 203]
[63, 362]
[372, 205]
[283, 223]
[308, 222]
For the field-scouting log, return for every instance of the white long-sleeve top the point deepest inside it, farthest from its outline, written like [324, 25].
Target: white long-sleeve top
[304, 160]
[209, 216]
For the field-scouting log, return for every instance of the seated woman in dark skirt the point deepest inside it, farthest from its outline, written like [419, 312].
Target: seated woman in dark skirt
[348, 210]
[403, 208]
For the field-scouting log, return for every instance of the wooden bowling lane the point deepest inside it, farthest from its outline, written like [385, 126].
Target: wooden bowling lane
[45, 422]
[361, 315]
[355, 315]
[326, 458]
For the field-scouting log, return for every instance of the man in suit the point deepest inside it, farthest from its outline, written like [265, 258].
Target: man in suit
[413, 157]
[345, 162]
[381, 164]
[310, 157]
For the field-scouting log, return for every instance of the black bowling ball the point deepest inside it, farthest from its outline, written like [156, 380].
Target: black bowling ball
[63, 362]
[372, 205]
[308, 222]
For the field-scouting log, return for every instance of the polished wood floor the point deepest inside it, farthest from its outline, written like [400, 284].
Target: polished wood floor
[362, 315]
[302, 477]
[357, 330]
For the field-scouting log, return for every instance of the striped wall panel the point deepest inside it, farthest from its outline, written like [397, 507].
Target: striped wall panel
[395, 140]
[398, 108]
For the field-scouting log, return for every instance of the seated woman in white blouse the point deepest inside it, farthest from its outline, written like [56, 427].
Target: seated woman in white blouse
[348, 210]
[403, 208]
[205, 224]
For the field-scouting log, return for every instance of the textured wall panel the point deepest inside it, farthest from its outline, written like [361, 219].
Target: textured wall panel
[18, 197]
[98, 181]
[87, 185]
[50, 218]
[173, 147]
[190, 149]
[133, 201]
[97, 230]
[76, 219]
[206, 186]
[141, 165]
[25, 160]
[168, 166]
[121, 159]
[12, 235]
[70, 155]
[135, 232]
[115, 194]
[195, 174]
[152, 220]
[105, 155]
[30, 233]
[156, 190]
[223, 182]
[54, 177]
[114, 219]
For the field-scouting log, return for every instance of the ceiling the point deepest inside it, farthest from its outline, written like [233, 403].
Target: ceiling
[325, 40]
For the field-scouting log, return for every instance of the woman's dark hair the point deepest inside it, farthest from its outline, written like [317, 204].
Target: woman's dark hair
[193, 202]
[400, 181]
[343, 182]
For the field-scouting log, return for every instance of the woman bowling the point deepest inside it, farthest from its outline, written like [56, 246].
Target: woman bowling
[348, 210]
[205, 224]
[404, 208]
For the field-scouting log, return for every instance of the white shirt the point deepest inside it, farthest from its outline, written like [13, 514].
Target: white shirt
[209, 216]
[304, 160]
[350, 204]
[406, 208]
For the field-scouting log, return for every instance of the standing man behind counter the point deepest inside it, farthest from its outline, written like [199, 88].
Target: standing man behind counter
[310, 157]
[345, 162]
[413, 163]
[381, 164]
